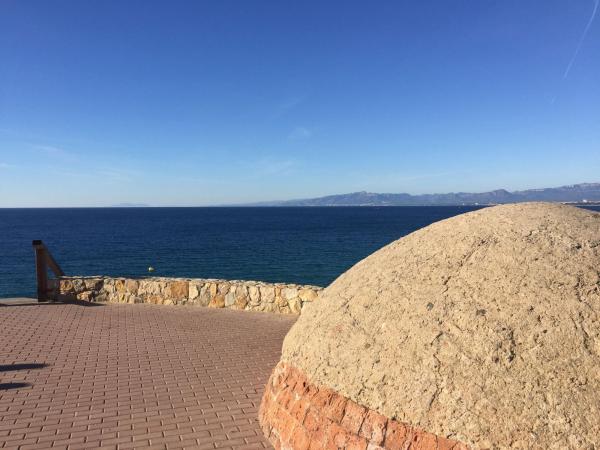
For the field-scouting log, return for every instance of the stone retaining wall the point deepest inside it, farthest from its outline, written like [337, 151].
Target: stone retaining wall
[234, 294]
[296, 414]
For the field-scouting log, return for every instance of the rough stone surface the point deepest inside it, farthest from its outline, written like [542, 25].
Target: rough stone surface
[242, 295]
[296, 414]
[483, 328]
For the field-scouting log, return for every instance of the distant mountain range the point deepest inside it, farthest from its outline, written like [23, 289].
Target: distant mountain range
[576, 193]
[130, 205]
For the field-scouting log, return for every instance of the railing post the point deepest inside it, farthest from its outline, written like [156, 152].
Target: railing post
[41, 270]
[43, 262]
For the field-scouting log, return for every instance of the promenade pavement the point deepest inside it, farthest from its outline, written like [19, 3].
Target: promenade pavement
[76, 376]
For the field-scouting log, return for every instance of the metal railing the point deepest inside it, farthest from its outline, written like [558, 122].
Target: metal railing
[43, 262]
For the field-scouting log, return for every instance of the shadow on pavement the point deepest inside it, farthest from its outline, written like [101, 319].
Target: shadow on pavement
[7, 386]
[24, 366]
[9, 302]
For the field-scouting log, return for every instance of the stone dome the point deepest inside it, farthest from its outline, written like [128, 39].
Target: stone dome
[480, 331]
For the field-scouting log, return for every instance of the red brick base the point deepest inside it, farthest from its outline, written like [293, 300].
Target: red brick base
[296, 414]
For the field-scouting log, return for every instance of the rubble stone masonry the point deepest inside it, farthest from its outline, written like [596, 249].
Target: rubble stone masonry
[233, 294]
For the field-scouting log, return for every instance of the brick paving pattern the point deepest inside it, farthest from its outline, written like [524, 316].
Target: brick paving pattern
[134, 376]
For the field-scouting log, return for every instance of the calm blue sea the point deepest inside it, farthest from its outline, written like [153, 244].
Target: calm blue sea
[300, 245]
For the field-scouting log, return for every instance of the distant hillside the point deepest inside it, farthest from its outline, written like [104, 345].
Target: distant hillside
[129, 205]
[577, 193]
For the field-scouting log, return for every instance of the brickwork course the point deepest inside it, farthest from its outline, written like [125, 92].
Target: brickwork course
[296, 414]
[134, 376]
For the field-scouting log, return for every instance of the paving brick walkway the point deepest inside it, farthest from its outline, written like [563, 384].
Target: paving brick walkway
[134, 376]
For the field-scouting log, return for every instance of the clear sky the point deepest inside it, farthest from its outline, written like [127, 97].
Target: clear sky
[209, 102]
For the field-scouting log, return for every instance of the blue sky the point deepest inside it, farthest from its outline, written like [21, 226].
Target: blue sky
[198, 102]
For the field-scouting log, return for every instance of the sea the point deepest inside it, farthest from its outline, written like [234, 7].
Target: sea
[294, 245]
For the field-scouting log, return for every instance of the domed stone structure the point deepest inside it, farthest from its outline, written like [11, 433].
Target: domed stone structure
[480, 331]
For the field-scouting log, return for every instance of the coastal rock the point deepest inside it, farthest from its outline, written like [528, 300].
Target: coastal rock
[179, 291]
[307, 295]
[241, 296]
[269, 307]
[150, 287]
[254, 294]
[85, 295]
[93, 284]
[120, 285]
[280, 301]
[205, 295]
[289, 293]
[67, 286]
[218, 301]
[284, 309]
[230, 296]
[194, 291]
[267, 293]
[131, 286]
[295, 305]
[154, 299]
[223, 288]
[479, 331]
